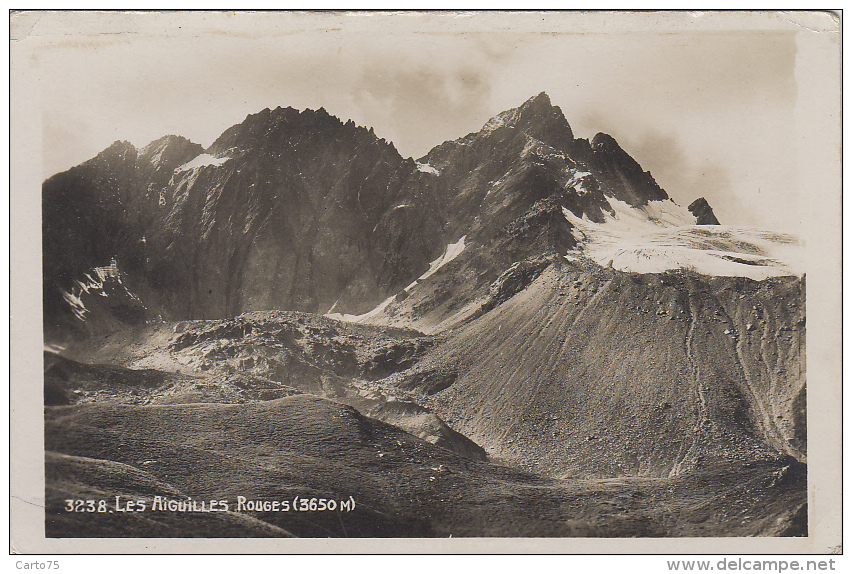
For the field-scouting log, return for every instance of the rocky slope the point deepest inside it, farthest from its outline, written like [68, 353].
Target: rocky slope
[295, 211]
[590, 371]
[102, 210]
[508, 188]
[254, 357]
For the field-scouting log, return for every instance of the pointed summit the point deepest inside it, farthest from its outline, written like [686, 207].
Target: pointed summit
[605, 143]
[541, 101]
[538, 118]
[119, 153]
[281, 129]
[118, 147]
[622, 176]
[545, 122]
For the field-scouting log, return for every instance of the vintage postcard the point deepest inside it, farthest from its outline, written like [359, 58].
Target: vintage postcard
[477, 282]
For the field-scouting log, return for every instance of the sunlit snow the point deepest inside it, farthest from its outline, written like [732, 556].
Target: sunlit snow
[452, 251]
[663, 236]
[202, 160]
[426, 168]
[576, 182]
[494, 123]
[359, 318]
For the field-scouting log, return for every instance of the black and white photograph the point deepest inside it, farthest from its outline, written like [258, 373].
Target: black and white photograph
[496, 279]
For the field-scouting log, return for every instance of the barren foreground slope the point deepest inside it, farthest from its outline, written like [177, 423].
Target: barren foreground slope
[402, 486]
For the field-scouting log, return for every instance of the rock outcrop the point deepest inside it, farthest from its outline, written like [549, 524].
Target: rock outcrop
[703, 212]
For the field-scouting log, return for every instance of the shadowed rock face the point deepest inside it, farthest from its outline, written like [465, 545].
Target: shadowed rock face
[621, 175]
[286, 210]
[105, 208]
[703, 212]
[303, 214]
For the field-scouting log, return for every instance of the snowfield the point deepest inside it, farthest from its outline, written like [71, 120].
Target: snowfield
[452, 251]
[662, 236]
[426, 168]
[202, 160]
[363, 317]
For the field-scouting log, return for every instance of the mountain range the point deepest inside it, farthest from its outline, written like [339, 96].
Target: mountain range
[517, 311]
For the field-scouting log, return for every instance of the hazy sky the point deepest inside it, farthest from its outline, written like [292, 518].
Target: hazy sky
[708, 109]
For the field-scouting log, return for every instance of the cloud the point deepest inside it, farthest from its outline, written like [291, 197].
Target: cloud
[422, 90]
[398, 98]
[684, 176]
[709, 113]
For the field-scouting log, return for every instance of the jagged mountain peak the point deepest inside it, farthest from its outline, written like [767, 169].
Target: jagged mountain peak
[119, 145]
[539, 103]
[284, 126]
[506, 137]
[577, 327]
[170, 151]
[119, 152]
[538, 118]
[117, 148]
[166, 141]
[603, 142]
[622, 175]
[255, 201]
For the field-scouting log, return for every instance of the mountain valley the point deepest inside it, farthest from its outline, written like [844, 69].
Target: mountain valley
[519, 334]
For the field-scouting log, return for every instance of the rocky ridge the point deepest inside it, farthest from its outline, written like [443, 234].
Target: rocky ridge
[301, 211]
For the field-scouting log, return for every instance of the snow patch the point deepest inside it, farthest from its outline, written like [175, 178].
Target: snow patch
[360, 318]
[426, 168]
[531, 146]
[494, 184]
[94, 283]
[493, 124]
[202, 160]
[157, 158]
[662, 236]
[545, 151]
[53, 348]
[576, 182]
[452, 251]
